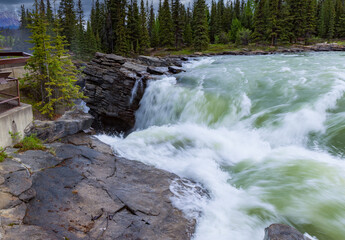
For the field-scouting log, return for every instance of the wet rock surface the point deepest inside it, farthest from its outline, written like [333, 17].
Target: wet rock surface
[84, 192]
[115, 85]
[283, 232]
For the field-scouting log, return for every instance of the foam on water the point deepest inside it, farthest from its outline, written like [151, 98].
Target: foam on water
[248, 143]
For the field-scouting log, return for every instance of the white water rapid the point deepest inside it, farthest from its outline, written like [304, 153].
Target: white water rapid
[264, 134]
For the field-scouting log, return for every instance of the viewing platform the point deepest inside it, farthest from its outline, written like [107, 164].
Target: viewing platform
[14, 116]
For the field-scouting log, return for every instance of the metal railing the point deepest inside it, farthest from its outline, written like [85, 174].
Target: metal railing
[9, 86]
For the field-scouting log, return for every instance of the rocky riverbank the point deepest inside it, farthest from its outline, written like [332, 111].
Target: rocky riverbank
[115, 85]
[85, 192]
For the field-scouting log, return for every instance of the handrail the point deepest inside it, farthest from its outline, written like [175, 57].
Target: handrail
[21, 57]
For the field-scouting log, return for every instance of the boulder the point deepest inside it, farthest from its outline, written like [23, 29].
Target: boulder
[70, 123]
[157, 70]
[175, 70]
[283, 232]
[115, 85]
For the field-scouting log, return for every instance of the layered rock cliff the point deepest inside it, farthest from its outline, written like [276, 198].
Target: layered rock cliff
[115, 85]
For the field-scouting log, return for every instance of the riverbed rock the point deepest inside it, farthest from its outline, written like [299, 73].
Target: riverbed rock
[157, 70]
[70, 123]
[115, 85]
[176, 70]
[283, 232]
[86, 192]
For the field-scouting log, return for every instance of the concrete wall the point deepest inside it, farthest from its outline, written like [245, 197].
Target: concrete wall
[14, 120]
[17, 70]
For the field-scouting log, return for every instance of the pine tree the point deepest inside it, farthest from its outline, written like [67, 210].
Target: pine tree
[68, 20]
[166, 25]
[120, 31]
[187, 32]
[310, 19]
[144, 39]
[151, 23]
[201, 39]
[134, 26]
[339, 12]
[327, 19]
[213, 22]
[259, 23]
[79, 42]
[23, 18]
[273, 20]
[177, 12]
[51, 74]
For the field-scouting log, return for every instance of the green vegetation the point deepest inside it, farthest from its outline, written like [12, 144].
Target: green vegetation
[15, 136]
[130, 27]
[30, 143]
[3, 154]
[52, 76]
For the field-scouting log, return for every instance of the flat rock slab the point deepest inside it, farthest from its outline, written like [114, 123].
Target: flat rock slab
[283, 232]
[37, 160]
[85, 192]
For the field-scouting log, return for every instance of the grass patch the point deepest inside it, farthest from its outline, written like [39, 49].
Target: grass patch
[30, 143]
[3, 154]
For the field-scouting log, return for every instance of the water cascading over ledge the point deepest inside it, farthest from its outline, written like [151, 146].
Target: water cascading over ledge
[114, 86]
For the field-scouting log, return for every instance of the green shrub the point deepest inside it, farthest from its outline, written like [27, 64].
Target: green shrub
[222, 38]
[16, 136]
[3, 154]
[243, 36]
[30, 143]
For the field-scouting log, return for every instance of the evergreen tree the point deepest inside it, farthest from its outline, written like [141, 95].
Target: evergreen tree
[310, 29]
[259, 23]
[273, 20]
[144, 39]
[79, 42]
[201, 39]
[187, 32]
[166, 25]
[151, 23]
[213, 22]
[177, 23]
[51, 74]
[327, 19]
[339, 12]
[68, 20]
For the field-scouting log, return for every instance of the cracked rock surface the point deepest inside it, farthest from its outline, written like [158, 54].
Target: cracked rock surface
[85, 192]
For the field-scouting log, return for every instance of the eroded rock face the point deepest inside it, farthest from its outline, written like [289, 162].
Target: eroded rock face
[70, 123]
[85, 192]
[115, 85]
[283, 232]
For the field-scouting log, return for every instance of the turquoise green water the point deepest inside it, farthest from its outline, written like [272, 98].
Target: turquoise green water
[264, 134]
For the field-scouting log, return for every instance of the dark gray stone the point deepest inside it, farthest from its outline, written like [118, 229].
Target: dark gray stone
[17, 182]
[70, 123]
[157, 70]
[283, 232]
[175, 70]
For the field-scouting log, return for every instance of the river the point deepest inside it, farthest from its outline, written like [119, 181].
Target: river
[264, 134]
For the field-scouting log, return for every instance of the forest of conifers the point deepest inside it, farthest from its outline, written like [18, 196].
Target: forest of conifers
[127, 26]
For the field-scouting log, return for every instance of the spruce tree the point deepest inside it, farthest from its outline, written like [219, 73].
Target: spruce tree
[144, 39]
[151, 22]
[177, 23]
[259, 22]
[273, 20]
[201, 39]
[213, 22]
[51, 75]
[166, 26]
[68, 20]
